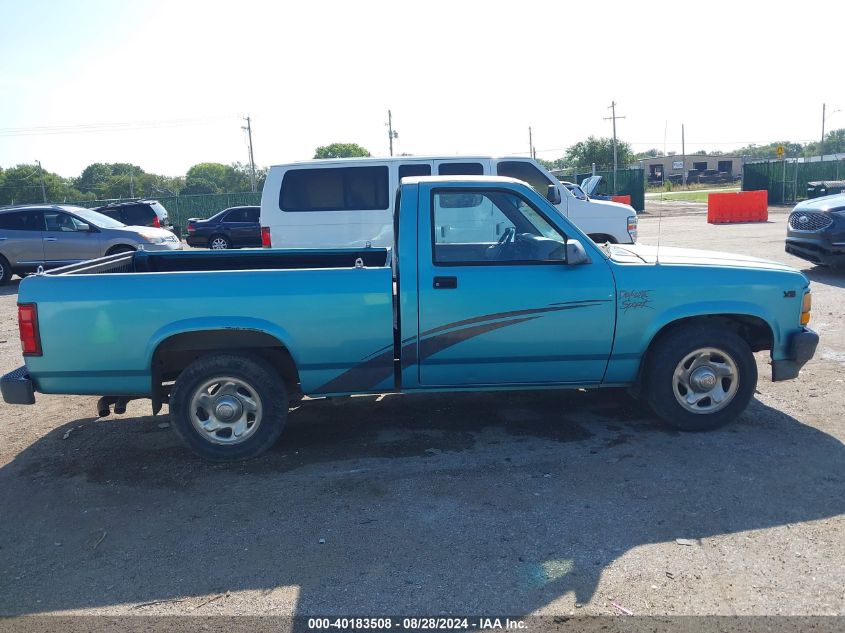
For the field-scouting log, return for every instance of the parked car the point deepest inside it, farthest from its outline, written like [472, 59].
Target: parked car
[346, 202]
[138, 213]
[51, 236]
[541, 306]
[816, 230]
[235, 227]
[575, 190]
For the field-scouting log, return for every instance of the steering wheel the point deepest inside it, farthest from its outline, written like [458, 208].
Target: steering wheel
[496, 249]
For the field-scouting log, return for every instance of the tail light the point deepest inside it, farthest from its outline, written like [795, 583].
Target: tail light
[156, 222]
[191, 227]
[265, 237]
[28, 326]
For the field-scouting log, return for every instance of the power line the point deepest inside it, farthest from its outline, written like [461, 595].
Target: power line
[87, 128]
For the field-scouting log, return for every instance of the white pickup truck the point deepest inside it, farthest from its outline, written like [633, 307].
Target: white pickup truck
[348, 202]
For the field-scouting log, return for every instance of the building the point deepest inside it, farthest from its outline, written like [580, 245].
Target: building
[698, 168]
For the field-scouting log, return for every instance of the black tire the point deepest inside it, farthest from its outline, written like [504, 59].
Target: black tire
[678, 345]
[122, 248]
[223, 242]
[258, 376]
[5, 271]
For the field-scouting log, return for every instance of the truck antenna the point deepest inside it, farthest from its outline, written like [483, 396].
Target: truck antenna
[659, 231]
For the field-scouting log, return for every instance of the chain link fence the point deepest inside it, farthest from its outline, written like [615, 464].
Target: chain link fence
[786, 180]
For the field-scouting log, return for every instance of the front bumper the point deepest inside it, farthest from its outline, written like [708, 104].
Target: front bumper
[802, 346]
[17, 388]
[816, 250]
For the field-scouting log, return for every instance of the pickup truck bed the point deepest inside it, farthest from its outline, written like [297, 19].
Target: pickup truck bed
[322, 293]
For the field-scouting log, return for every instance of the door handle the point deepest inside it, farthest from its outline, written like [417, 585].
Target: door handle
[51, 239]
[445, 283]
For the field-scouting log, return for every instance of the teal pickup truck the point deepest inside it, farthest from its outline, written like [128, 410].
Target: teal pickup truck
[488, 287]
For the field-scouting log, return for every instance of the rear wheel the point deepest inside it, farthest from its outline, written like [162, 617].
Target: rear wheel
[700, 377]
[219, 243]
[229, 407]
[5, 271]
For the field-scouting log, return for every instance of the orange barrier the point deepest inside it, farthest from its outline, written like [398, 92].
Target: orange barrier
[744, 206]
[622, 199]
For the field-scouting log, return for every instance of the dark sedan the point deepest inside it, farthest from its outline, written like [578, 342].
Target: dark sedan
[236, 227]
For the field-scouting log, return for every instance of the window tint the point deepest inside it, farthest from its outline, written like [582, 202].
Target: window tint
[62, 222]
[334, 189]
[137, 215]
[526, 172]
[253, 214]
[460, 169]
[491, 227]
[414, 169]
[22, 221]
[238, 215]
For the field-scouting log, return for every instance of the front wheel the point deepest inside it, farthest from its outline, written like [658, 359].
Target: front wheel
[229, 407]
[5, 271]
[700, 377]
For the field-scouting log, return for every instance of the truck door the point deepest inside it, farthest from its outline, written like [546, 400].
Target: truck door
[497, 302]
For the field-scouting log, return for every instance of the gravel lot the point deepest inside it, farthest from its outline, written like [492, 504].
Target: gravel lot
[488, 504]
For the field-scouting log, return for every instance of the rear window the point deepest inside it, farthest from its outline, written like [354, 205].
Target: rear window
[335, 189]
[461, 169]
[139, 215]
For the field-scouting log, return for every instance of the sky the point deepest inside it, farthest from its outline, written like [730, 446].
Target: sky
[166, 84]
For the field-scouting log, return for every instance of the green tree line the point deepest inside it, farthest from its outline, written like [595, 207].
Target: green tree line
[21, 184]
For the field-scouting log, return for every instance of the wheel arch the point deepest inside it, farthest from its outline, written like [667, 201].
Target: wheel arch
[173, 352]
[753, 329]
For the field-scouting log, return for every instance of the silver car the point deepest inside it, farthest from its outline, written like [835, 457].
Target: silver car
[52, 236]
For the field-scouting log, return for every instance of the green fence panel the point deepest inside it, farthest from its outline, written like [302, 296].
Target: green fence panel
[786, 181]
[629, 182]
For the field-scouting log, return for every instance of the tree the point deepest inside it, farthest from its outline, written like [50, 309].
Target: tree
[22, 184]
[598, 151]
[217, 178]
[649, 153]
[340, 150]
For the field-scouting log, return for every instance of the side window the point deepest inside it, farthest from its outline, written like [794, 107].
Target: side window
[460, 169]
[414, 169]
[22, 221]
[238, 215]
[335, 189]
[525, 171]
[491, 227]
[253, 215]
[114, 214]
[60, 222]
[137, 215]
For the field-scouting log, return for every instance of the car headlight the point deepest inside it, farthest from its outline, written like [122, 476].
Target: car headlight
[153, 239]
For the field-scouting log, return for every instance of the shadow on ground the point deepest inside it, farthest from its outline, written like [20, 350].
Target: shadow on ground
[473, 503]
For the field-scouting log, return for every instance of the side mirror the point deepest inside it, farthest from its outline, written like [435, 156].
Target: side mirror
[576, 254]
[83, 227]
[553, 194]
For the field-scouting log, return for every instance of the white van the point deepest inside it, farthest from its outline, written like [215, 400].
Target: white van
[348, 202]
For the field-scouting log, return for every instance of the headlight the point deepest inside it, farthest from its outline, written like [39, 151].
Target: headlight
[806, 306]
[153, 239]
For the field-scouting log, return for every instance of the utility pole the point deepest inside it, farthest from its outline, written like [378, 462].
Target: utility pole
[131, 183]
[613, 117]
[683, 157]
[821, 145]
[248, 129]
[391, 133]
[41, 175]
[531, 151]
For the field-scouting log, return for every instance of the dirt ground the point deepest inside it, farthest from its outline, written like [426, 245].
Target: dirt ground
[551, 503]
